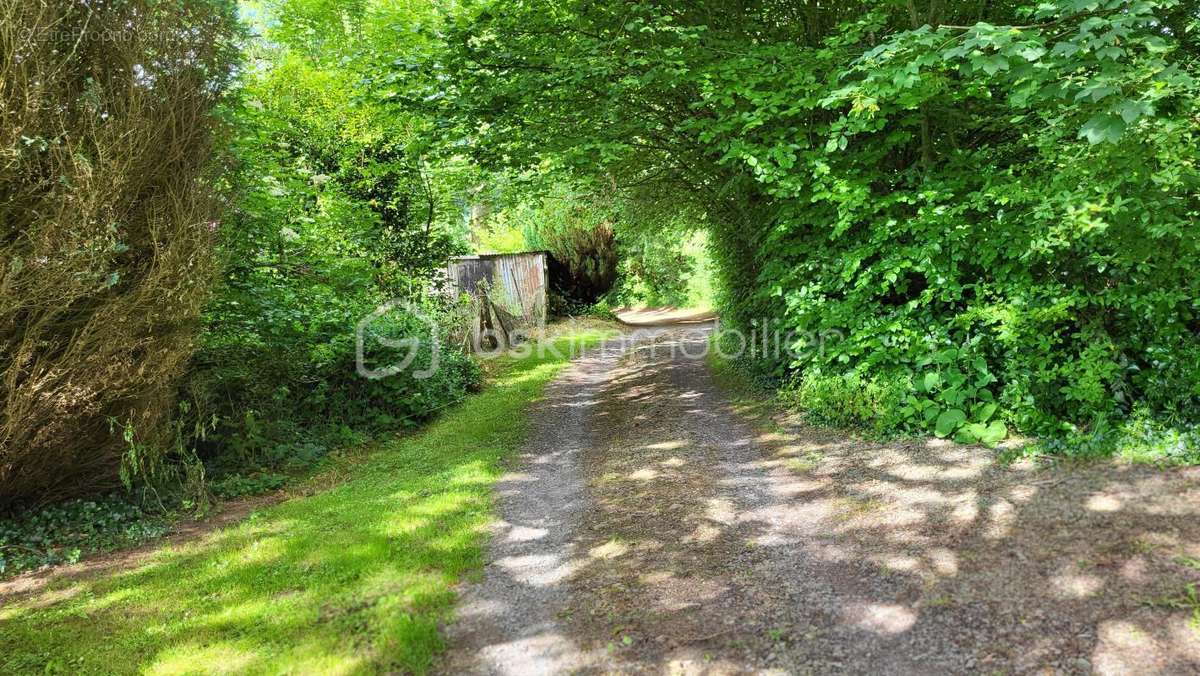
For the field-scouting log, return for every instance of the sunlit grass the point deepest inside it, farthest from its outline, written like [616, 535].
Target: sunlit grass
[354, 579]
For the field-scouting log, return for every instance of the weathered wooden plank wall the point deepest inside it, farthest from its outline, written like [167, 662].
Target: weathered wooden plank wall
[519, 282]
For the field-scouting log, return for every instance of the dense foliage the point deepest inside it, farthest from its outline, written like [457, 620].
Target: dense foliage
[108, 220]
[65, 532]
[336, 212]
[125, 358]
[603, 245]
[985, 208]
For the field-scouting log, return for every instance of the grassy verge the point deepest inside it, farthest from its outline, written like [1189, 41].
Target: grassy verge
[752, 400]
[858, 408]
[354, 579]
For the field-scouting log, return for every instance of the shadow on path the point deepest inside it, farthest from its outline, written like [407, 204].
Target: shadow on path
[650, 527]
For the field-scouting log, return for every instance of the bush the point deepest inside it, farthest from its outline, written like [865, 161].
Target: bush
[108, 227]
[333, 220]
[1014, 178]
[849, 400]
[988, 221]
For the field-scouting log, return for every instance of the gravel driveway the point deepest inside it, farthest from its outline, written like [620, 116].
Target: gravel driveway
[651, 526]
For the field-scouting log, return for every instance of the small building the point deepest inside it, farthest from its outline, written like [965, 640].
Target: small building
[512, 289]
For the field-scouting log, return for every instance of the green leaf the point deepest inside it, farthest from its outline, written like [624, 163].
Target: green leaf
[1032, 53]
[969, 434]
[994, 433]
[953, 396]
[930, 381]
[949, 421]
[985, 412]
[1102, 128]
[1130, 111]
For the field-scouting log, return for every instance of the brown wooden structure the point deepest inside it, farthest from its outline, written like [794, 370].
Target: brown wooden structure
[510, 290]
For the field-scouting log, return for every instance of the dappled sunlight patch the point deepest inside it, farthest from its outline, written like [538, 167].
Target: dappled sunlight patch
[912, 471]
[1103, 503]
[609, 550]
[262, 613]
[1134, 570]
[966, 508]
[219, 658]
[1183, 636]
[703, 533]
[526, 376]
[452, 542]
[538, 570]
[400, 526]
[656, 577]
[792, 488]
[667, 445]
[898, 562]
[720, 509]
[943, 561]
[112, 598]
[544, 653]
[1001, 515]
[1021, 493]
[1074, 585]
[673, 462]
[520, 533]
[442, 503]
[881, 618]
[260, 551]
[963, 472]
[645, 474]
[1121, 647]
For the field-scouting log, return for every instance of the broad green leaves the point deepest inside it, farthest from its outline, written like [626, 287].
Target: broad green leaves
[948, 421]
[1020, 184]
[1103, 127]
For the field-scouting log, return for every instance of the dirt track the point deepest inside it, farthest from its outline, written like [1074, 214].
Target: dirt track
[649, 527]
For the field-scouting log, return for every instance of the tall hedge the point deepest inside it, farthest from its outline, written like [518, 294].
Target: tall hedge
[108, 222]
[987, 208]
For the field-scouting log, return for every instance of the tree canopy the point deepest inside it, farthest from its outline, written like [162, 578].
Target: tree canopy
[990, 203]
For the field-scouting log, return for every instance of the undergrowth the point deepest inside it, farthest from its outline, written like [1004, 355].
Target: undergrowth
[355, 578]
[883, 407]
[66, 532]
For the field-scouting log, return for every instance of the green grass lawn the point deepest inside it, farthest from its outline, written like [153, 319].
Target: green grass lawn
[353, 579]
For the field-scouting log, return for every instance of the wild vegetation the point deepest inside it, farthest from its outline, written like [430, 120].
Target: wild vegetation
[973, 220]
[354, 578]
[222, 221]
[334, 211]
[109, 217]
[984, 210]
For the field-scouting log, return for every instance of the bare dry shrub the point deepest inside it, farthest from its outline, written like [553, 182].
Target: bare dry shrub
[108, 225]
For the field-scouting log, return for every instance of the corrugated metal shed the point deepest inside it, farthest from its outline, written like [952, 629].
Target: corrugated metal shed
[518, 282]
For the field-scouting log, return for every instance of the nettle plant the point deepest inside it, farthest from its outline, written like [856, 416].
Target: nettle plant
[951, 397]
